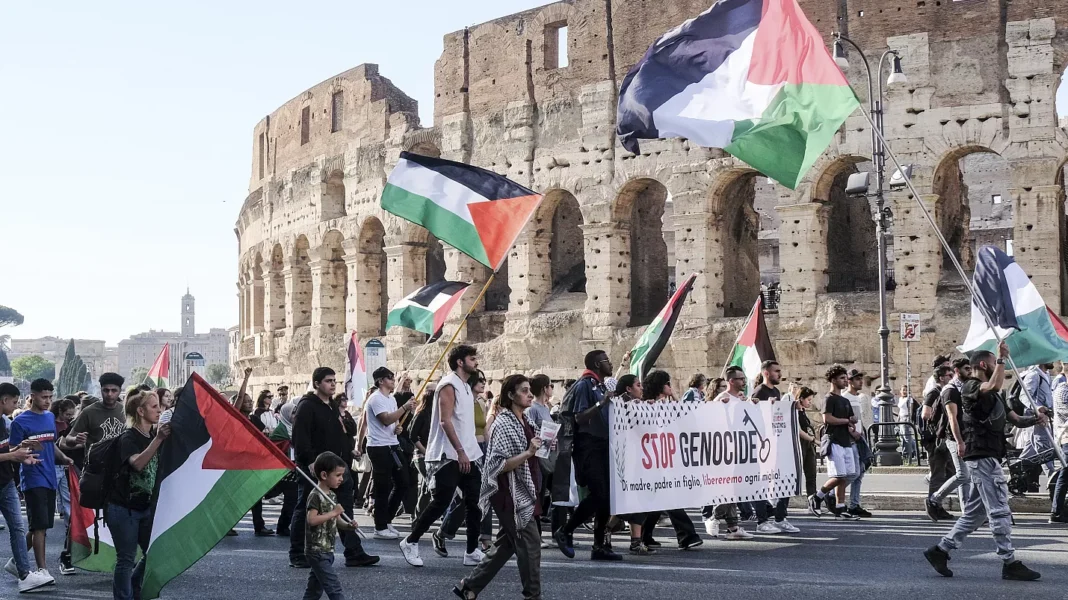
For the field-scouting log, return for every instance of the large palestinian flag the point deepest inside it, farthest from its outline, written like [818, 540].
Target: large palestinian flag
[425, 309]
[753, 345]
[211, 470]
[85, 550]
[158, 375]
[478, 212]
[657, 334]
[750, 76]
[1034, 333]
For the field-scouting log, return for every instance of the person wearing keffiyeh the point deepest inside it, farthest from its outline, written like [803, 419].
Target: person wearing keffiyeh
[510, 482]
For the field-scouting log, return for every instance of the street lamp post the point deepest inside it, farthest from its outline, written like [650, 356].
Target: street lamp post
[886, 446]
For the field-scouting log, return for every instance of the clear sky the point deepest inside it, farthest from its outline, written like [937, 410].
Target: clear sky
[126, 140]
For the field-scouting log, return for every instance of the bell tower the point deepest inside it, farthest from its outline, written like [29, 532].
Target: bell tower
[188, 315]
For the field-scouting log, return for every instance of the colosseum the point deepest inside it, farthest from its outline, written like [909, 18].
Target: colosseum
[533, 95]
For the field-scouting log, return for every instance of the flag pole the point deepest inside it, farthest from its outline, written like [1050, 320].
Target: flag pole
[456, 333]
[345, 518]
[960, 271]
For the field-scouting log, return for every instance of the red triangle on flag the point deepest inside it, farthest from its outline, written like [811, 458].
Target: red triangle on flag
[499, 222]
[236, 444]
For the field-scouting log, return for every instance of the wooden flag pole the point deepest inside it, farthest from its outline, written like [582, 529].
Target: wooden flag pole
[456, 333]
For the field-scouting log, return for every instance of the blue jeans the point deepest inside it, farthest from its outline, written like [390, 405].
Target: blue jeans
[855, 484]
[16, 526]
[322, 577]
[62, 493]
[129, 529]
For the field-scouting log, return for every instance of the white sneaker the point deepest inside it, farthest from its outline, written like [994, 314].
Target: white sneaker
[391, 528]
[768, 527]
[35, 580]
[473, 558]
[386, 534]
[11, 568]
[48, 576]
[739, 534]
[411, 553]
[787, 527]
[712, 527]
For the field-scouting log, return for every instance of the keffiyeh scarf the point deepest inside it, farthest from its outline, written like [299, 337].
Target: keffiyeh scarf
[507, 440]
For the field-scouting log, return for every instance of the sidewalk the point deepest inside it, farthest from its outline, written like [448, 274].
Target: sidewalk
[904, 488]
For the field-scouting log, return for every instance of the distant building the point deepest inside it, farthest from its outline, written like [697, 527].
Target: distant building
[94, 353]
[141, 350]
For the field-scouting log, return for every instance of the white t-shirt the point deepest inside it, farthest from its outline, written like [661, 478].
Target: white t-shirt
[728, 394]
[463, 423]
[861, 408]
[377, 433]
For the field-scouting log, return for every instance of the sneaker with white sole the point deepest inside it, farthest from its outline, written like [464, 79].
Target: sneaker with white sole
[473, 558]
[411, 553]
[47, 576]
[768, 527]
[391, 528]
[35, 580]
[712, 527]
[386, 534]
[10, 567]
[739, 534]
[787, 527]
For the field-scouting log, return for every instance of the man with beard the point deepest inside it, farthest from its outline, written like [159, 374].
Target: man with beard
[317, 428]
[986, 493]
[590, 409]
[767, 392]
[948, 429]
[452, 456]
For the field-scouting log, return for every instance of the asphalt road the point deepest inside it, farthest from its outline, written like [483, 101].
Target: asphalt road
[876, 558]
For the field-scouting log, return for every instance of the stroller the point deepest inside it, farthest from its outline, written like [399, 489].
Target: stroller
[1025, 466]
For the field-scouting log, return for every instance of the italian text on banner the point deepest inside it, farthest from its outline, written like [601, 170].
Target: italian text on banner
[668, 455]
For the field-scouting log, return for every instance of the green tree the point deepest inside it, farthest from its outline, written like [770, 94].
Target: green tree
[10, 316]
[137, 376]
[217, 374]
[33, 367]
[5, 365]
[71, 374]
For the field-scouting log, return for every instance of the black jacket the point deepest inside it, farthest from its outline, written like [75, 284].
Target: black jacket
[316, 429]
[984, 421]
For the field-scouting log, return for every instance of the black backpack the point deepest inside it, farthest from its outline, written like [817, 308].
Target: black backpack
[102, 466]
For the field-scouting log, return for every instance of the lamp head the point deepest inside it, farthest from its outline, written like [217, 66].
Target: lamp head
[897, 75]
[840, 58]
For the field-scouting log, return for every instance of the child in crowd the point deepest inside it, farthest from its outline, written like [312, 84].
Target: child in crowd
[322, 525]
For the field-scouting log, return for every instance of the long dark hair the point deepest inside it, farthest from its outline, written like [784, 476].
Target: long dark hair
[654, 384]
[511, 384]
[263, 401]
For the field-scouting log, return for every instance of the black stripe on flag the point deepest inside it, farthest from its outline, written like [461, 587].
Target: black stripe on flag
[765, 349]
[992, 287]
[189, 432]
[485, 183]
[680, 58]
[447, 288]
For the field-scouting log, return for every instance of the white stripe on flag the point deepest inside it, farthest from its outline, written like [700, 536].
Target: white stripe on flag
[446, 193]
[183, 490]
[706, 111]
[751, 365]
[1025, 296]
[435, 304]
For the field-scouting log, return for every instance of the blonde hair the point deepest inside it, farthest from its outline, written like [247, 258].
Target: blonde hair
[135, 401]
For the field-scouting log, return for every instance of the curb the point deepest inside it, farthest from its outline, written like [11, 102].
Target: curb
[906, 501]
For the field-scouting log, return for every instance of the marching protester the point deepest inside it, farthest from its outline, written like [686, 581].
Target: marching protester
[657, 388]
[696, 391]
[986, 493]
[941, 464]
[38, 480]
[419, 434]
[590, 410]
[323, 521]
[629, 390]
[728, 513]
[288, 486]
[540, 411]
[317, 428]
[861, 405]
[244, 406]
[949, 436]
[452, 457]
[456, 515]
[843, 462]
[63, 412]
[281, 398]
[771, 376]
[11, 456]
[1058, 510]
[807, 433]
[510, 484]
[390, 474]
[130, 508]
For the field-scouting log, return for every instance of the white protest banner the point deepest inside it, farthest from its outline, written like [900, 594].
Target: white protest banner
[668, 455]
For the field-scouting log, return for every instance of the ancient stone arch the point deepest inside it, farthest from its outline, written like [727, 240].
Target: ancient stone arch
[955, 206]
[372, 280]
[275, 290]
[640, 206]
[425, 141]
[850, 238]
[737, 225]
[333, 284]
[300, 307]
[567, 263]
[333, 196]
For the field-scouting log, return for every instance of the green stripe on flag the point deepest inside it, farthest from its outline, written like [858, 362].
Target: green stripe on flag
[794, 130]
[412, 317]
[445, 225]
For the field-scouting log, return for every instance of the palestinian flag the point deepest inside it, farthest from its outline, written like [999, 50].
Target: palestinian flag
[753, 345]
[750, 76]
[657, 334]
[211, 470]
[356, 378]
[281, 438]
[478, 212]
[425, 309]
[157, 375]
[85, 553]
[1034, 333]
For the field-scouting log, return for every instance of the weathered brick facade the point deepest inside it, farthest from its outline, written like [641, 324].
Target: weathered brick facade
[319, 257]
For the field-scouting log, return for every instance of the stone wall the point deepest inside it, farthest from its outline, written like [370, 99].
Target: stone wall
[981, 78]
